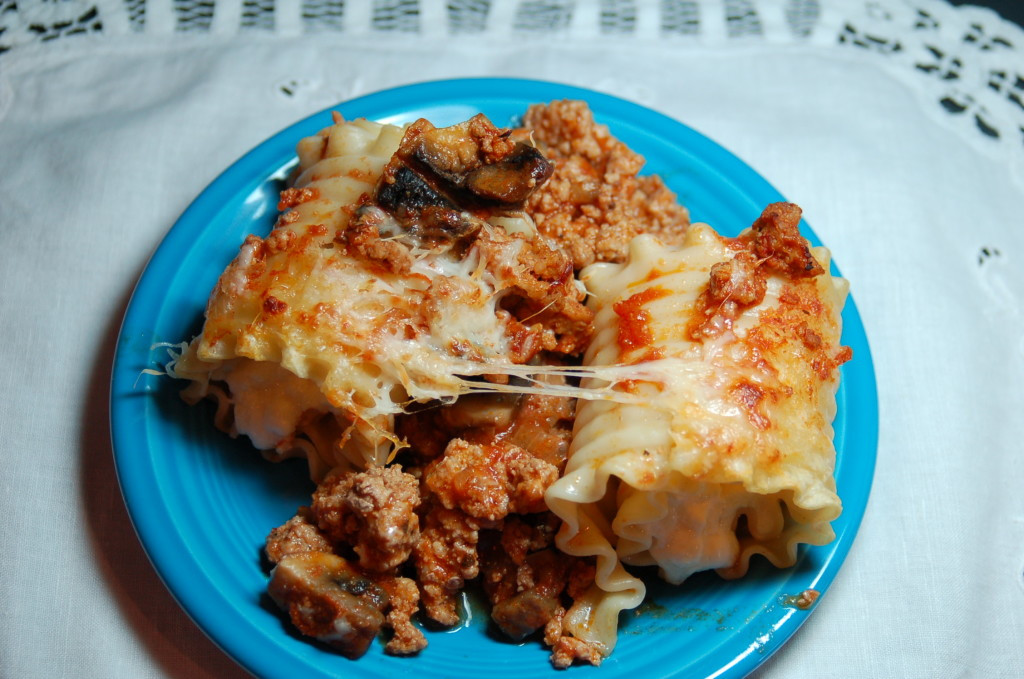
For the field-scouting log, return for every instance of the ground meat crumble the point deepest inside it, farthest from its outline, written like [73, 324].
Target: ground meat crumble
[374, 511]
[773, 245]
[446, 557]
[595, 202]
[488, 482]
[298, 535]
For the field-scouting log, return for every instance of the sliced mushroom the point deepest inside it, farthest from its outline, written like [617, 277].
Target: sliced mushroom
[443, 182]
[513, 179]
[328, 599]
[524, 614]
[409, 191]
[451, 152]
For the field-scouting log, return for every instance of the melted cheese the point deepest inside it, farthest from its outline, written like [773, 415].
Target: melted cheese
[269, 402]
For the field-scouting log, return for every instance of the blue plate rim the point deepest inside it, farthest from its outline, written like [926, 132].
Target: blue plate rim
[149, 521]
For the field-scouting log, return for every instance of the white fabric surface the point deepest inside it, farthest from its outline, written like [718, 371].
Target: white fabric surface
[106, 134]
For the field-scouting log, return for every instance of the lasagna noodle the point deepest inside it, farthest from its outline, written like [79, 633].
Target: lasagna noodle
[727, 451]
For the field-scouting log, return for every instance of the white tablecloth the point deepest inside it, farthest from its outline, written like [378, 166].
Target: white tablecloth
[898, 125]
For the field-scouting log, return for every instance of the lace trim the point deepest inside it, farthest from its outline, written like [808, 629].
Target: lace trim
[967, 60]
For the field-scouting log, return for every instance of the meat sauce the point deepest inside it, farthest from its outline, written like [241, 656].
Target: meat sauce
[634, 319]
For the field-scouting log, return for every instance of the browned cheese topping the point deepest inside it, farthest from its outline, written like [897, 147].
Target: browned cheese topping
[541, 296]
[772, 246]
[436, 193]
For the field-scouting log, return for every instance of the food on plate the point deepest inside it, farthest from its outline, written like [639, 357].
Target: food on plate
[331, 601]
[595, 201]
[510, 359]
[728, 451]
[319, 334]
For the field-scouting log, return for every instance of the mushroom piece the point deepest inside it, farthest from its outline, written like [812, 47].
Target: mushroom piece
[480, 158]
[513, 179]
[524, 613]
[444, 181]
[328, 599]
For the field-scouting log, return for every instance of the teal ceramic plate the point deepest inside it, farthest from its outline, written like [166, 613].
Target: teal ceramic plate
[203, 503]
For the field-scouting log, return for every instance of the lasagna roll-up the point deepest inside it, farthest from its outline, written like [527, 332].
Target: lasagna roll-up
[721, 446]
[397, 272]
[266, 353]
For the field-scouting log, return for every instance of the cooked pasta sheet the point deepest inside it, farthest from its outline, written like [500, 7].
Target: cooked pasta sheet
[318, 334]
[728, 450]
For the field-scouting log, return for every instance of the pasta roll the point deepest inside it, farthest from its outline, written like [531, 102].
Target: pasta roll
[285, 388]
[726, 449]
[375, 288]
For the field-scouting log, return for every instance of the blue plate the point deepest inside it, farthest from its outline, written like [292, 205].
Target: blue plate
[203, 503]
